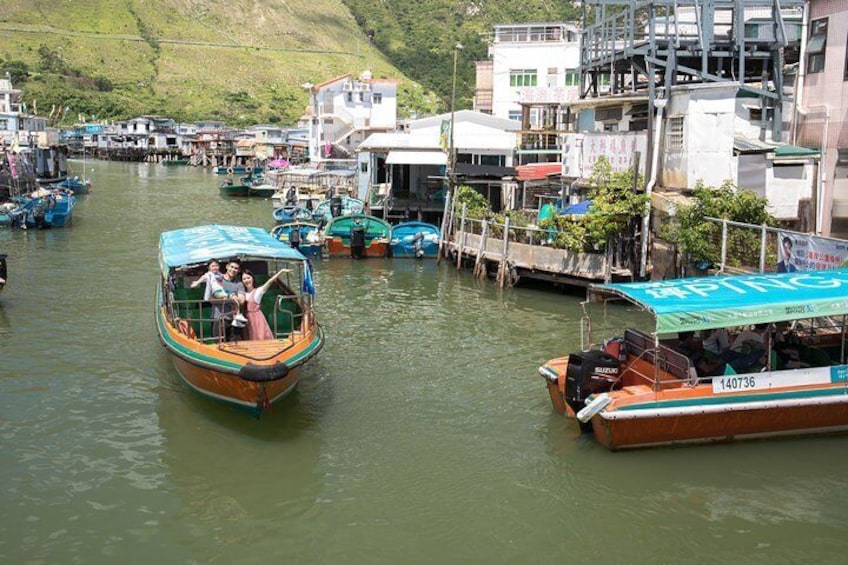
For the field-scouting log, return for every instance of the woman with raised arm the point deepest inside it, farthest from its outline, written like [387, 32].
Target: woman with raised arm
[257, 326]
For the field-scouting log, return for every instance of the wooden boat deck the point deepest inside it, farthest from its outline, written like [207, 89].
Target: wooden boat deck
[257, 350]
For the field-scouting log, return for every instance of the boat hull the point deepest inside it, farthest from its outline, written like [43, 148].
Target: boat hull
[234, 190]
[340, 247]
[697, 416]
[216, 371]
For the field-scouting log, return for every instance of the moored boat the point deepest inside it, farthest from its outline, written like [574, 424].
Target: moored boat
[290, 213]
[644, 390]
[75, 185]
[230, 187]
[415, 239]
[358, 236]
[249, 374]
[301, 235]
[337, 206]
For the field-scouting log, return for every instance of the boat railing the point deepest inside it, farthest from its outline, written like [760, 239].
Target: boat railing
[189, 317]
[660, 356]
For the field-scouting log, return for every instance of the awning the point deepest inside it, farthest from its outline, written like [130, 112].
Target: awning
[538, 171]
[702, 303]
[416, 158]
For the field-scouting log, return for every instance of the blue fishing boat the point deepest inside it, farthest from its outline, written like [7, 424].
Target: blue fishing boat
[291, 213]
[344, 206]
[75, 185]
[303, 236]
[415, 239]
[59, 208]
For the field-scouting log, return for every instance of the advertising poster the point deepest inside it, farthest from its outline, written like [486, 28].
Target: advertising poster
[797, 252]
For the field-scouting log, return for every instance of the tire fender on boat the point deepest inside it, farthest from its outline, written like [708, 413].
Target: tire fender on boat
[248, 169]
[263, 373]
[229, 170]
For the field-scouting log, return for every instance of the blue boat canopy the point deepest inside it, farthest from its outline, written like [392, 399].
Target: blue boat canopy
[723, 301]
[191, 246]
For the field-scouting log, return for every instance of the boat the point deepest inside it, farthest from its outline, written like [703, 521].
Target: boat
[290, 213]
[238, 170]
[358, 236]
[345, 205]
[180, 162]
[229, 187]
[260, 188]
[415, 239]
[58, 208]
[250, 375]
[75, 185]
[4, 271]
[641, 389]
[302, 235]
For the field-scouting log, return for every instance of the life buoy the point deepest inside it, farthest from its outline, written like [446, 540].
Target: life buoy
[229, 170]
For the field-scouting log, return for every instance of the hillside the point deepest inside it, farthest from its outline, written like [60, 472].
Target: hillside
[242, 61]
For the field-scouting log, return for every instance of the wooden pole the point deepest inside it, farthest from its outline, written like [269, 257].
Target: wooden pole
[443, 232]
[502, 266]
[479, 265]
[461, 238]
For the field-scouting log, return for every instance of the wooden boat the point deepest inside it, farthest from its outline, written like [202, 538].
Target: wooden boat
[641, 390]
[251, 375]
[345, 205]
[291, 213]
[230, 187]
[358, 236]
[75, 185]
[303, 236]
[415, 239]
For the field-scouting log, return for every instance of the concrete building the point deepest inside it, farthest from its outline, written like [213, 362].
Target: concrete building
[343, 111]
[821, 118]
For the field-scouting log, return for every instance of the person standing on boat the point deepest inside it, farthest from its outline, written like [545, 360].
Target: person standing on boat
[223, 312]
[257, 326]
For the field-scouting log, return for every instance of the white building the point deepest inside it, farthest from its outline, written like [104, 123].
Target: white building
[412, 165]
[344, 111]
[529, 63]
[18, 126]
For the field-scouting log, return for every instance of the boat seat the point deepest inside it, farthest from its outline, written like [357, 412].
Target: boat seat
[637, 389]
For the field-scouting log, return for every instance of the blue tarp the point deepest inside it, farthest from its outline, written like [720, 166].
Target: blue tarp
[576, 209]
[201, 244]
[724, 301]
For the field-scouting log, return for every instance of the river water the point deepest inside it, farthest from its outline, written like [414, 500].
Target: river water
[421, 433]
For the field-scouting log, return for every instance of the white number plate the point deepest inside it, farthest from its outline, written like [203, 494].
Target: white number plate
[765, 381]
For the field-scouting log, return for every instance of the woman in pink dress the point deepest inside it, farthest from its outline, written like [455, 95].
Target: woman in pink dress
[257, 326]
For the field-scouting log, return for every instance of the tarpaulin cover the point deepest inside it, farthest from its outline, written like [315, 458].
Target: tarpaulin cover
[191, 246]
[723, 301]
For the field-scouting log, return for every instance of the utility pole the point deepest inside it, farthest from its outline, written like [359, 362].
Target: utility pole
[452, 150]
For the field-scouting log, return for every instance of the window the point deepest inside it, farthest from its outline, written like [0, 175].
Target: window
[816, 46]
[377, 98]
[4, 124]
[350, 96]
[572, 77]
[522, 77]
[492, 160]
[362, 97]
[553, 77]
[515, 115]
[846, 61]
[674, 134]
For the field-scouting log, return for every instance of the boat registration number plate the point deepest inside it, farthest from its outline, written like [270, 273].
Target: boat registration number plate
[765, 381]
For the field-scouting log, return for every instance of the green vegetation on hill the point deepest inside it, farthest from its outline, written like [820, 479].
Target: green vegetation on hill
[418, 36]
[243, 61]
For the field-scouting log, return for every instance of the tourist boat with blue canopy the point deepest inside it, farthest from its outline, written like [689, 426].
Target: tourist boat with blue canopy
[303, 236]
[787, 377]
[358, 236]
[249, 374]
[415, 239]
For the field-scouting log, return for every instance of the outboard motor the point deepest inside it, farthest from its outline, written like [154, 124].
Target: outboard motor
[294, 238]
[589, 372]
[38, 213]
[336, 206]
[357, 242]
[418, 244]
